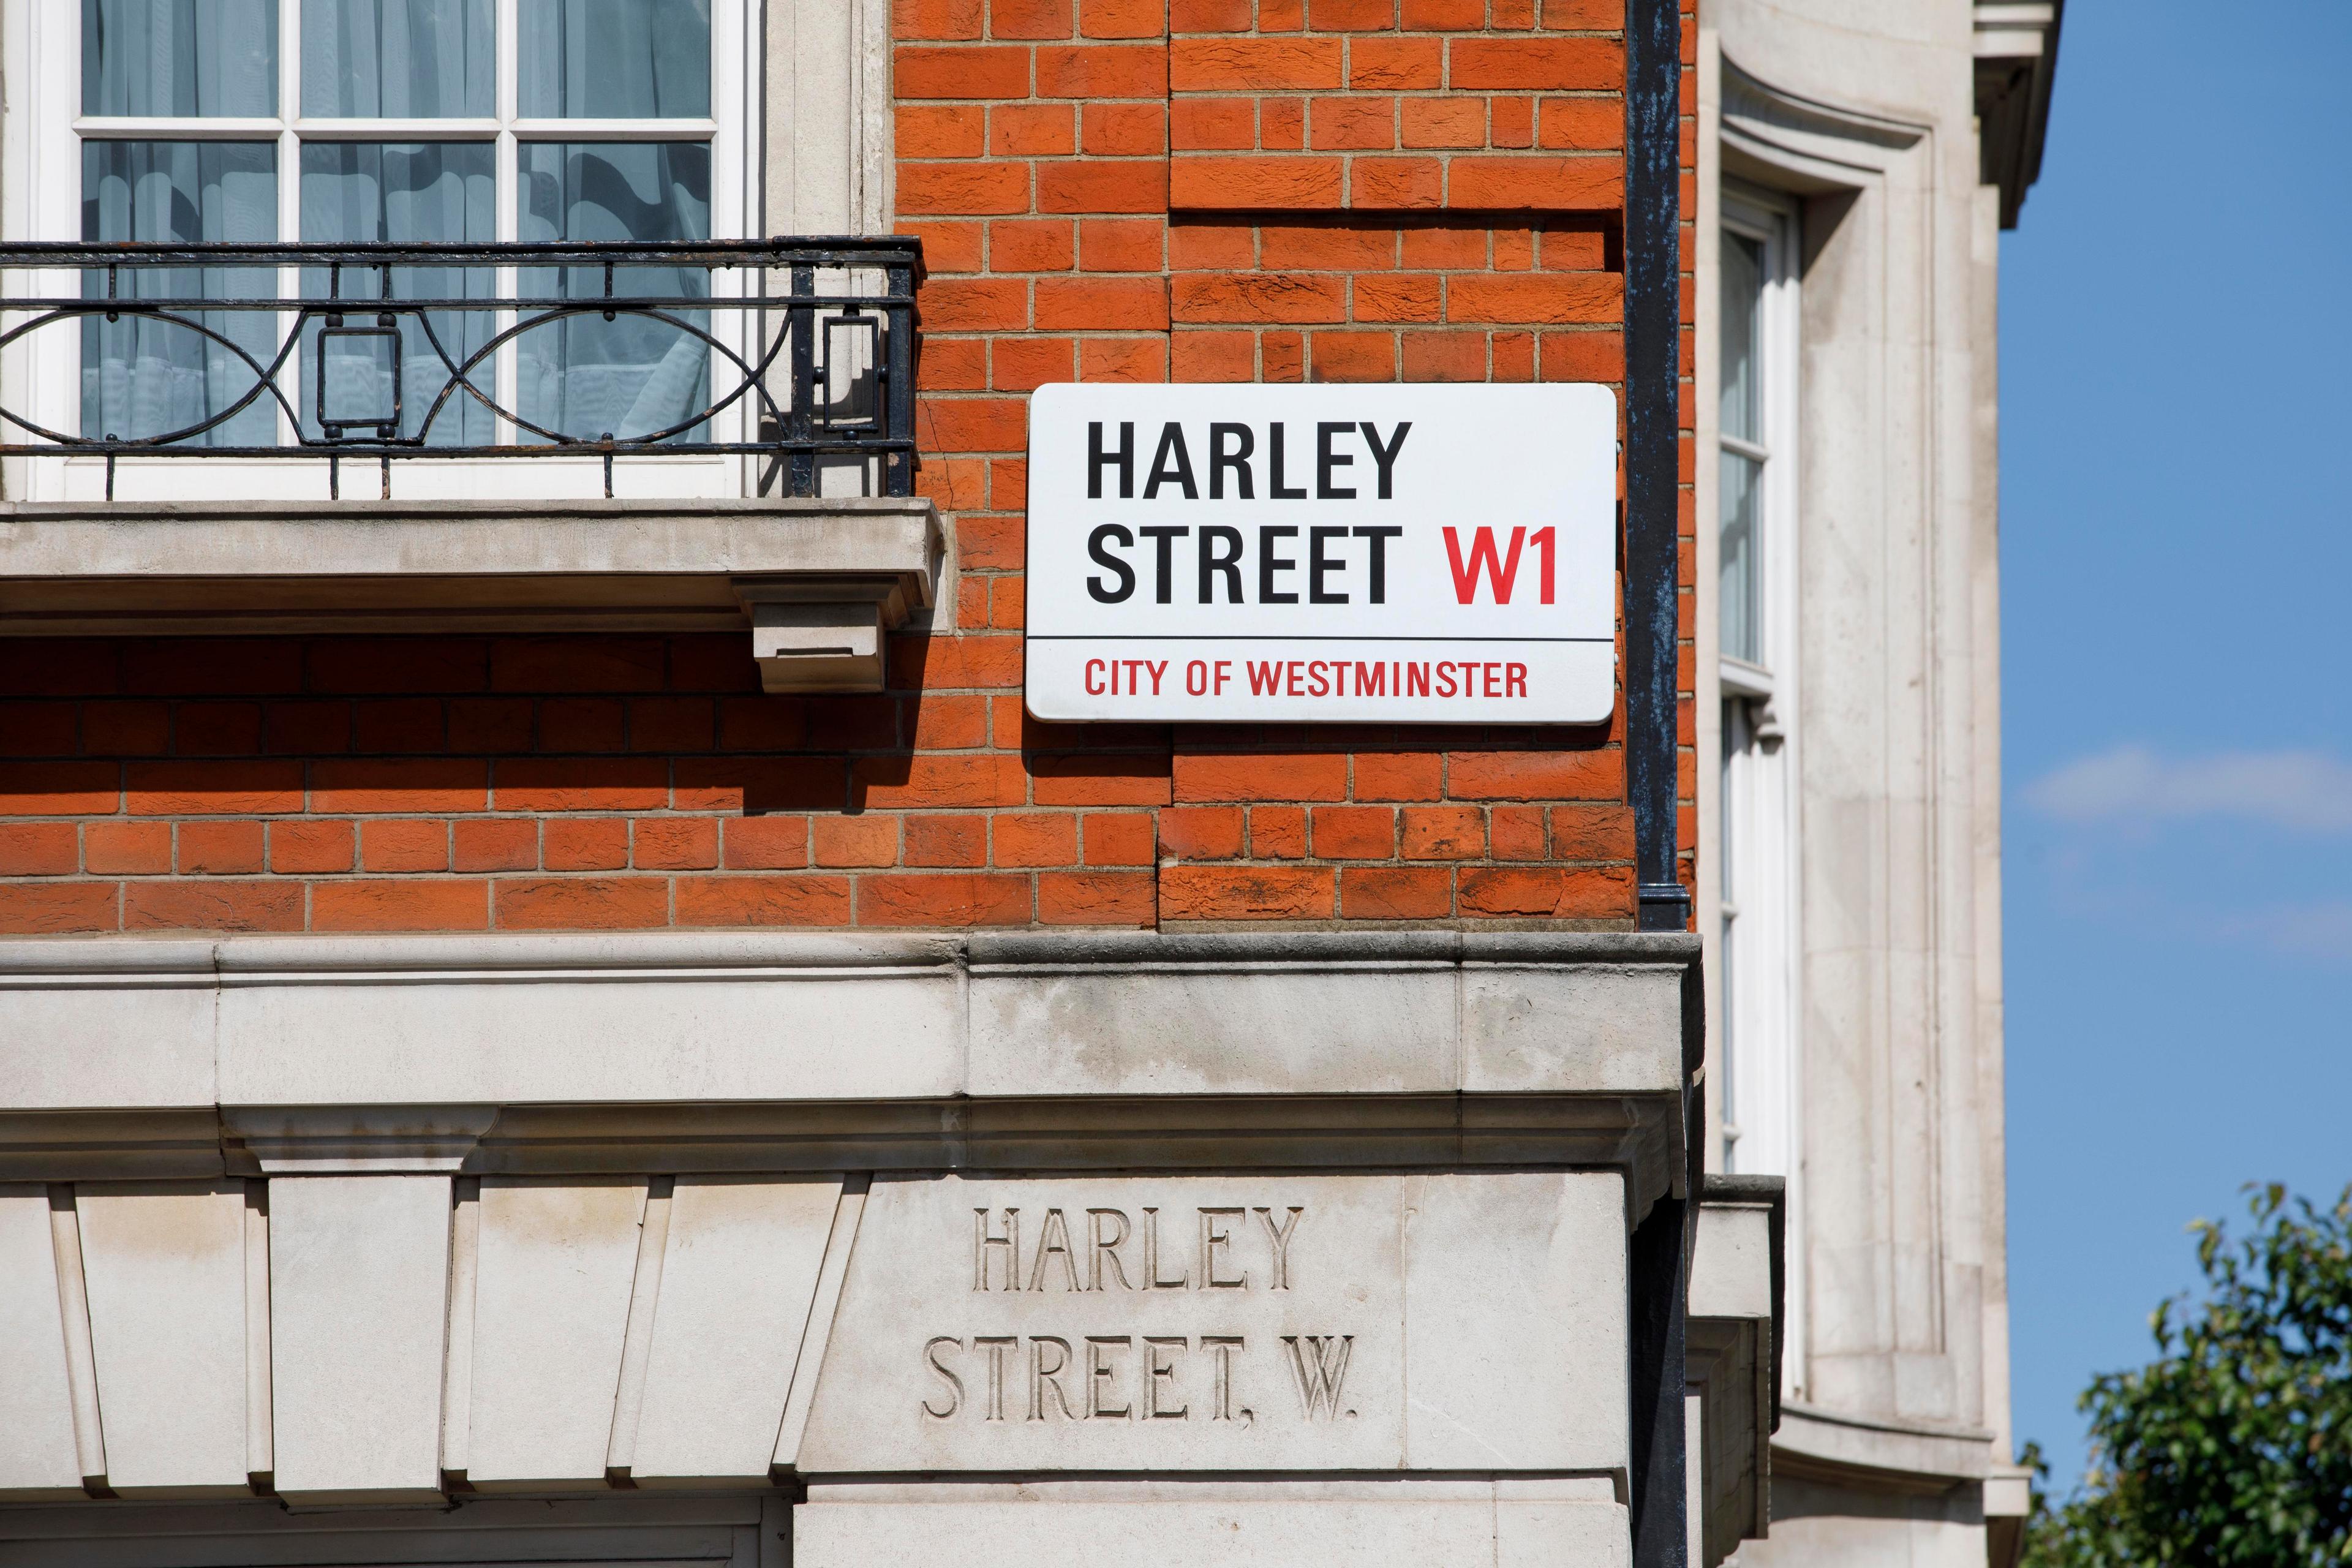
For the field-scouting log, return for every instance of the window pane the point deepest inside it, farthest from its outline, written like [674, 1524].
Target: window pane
[145, 376]
[416, 59]
[181, 58]
[1740, 599]
[635, 375]
[415, 192]
[1743, 287]
[616, 59]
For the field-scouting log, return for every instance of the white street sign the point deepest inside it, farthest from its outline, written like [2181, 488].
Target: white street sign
[1418, 554]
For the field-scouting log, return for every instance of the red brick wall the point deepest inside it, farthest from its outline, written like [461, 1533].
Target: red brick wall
[1362, 190]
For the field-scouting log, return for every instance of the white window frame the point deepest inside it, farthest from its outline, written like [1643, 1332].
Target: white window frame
[1760, 860]
[40, 199]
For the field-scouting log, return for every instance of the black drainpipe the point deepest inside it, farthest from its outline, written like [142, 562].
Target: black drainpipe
[1659, 1249]
[1653, 329]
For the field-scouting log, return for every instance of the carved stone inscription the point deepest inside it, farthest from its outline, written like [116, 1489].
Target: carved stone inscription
[1121, 1322]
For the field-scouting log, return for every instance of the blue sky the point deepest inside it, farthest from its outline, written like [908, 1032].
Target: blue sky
[2177, 558]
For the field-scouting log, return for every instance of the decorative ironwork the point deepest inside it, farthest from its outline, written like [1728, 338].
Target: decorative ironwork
[806, 348]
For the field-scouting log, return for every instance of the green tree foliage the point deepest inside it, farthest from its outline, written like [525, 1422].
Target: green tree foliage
[2234, 1446]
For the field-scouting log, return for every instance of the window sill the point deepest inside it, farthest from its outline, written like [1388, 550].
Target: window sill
[817, 582]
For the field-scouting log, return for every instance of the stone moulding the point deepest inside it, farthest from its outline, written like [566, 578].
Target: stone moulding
[817, 582]
[750, 1052]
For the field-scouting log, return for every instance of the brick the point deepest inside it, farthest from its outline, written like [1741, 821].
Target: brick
[51, 666]
[402, 785]
[920, 781]
[1396, 65]
[1511, 15]
[854, 841]
[672, 724]
[1119, 839]
[714, 662]
[39, 849]
[216, 789]
[1115, 779]
[1546, 298]
[1212, 356]
[1255, 182]
[37, 730]
[1027, 244]
[1281, 15]
[1282, 123]
[1113, 186]
[1036, 838]
[1122, 18]
[1534, 179]
[1212, 124]
[1602, 893]
[1342, 245]
[398, 724]
[309, 728]
[1201, 832]
[1443, 16]
[1354, 833]
[1511, 123]
[1277, 833]
[127, 729]
[1592, 832]
[1397, 184]
[941, 131]
[193, 905]
[1258, 297]
[789, 900]
[946, 246]
[950, 365]
[963, 187]
[940, 722]
[1406, 297]
[1097, 897]
[62, 789]
[134, 848]
[220, 848]
[1589, 15]
[1103, 70]
[975, 304]
[601, 665]
[1211, 15]
[765, 844]
[1123, 130]
[188, 667]
[1113, 359]
[971, 424]
[943, 899]
[1352, 124]
[580, 724]
[1535, 775]
[1032, 130]
[1354, 356]
[400, 845]
[1444, 122]
[1123, 245]
[492, 724]
[57, 909]
[1444, 356]
[1395, 893]
[1268, 775]
[307, 848]
[1581, 124]
[936, 18]
[1102, 304]
[1351, 15]
[1516, 832]
[1230, 65]
[1025, 363]
[586, 844]
[1029, 18]
[1245, 892]
[952, 663]
[1443, 833]
[578, 783]
[936, 841]
[581, 903]
[1008, 490]
[1282, 356]
[757, 785]
[1583, 356]
[1450, 245]
[959, 73]
[217, 729]
[1399, 775]
[494, 844]
[1515, 359]
[1534, 65]
[1574, 249]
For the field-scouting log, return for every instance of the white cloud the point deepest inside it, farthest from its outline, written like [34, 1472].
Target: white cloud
[2301, 791]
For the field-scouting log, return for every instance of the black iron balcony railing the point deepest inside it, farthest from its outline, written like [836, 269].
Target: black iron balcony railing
[795, 354]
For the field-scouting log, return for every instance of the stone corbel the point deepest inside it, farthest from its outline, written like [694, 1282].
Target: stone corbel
[352, 1140]
[826, 634]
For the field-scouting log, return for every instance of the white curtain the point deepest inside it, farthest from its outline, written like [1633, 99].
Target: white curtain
[401, 60]
[619, 59]
[180, 58]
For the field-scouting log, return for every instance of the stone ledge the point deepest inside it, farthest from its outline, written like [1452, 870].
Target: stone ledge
[817, 582]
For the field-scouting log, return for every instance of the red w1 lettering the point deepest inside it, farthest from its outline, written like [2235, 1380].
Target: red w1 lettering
[1501, 570]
